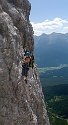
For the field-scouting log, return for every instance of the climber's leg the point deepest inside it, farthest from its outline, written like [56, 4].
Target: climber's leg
[26, 74]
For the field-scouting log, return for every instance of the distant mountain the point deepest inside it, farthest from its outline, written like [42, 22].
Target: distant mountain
[51, 50]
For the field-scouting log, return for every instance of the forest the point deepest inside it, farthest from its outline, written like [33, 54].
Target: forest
[55, 89]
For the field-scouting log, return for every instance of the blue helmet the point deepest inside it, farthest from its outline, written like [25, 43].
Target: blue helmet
[28, 53]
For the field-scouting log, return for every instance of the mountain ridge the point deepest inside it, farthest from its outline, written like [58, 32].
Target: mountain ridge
[54, 49]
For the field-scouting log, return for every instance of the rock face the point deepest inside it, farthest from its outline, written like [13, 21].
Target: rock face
[20, 103]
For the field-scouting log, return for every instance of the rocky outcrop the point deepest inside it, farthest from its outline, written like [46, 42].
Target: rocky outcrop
[20, 103]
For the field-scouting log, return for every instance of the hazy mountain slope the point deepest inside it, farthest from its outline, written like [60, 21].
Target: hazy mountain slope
[51, 50]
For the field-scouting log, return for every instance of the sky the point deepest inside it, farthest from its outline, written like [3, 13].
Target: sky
[47, 16]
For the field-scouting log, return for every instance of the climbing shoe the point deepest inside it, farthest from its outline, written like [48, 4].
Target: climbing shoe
[25, 81]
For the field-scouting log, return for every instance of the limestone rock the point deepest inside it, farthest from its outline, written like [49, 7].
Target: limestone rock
[20, 103]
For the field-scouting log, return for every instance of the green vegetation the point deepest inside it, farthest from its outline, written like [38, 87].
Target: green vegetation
[58, 110]
[42, 70]
[59, 106]
[55, 88]
[54, 75]
[57, 103]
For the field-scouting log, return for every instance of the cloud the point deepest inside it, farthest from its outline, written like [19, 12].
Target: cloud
[56, 25]
[65, 28]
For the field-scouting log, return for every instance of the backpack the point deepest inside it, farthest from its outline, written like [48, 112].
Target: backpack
[31, 63]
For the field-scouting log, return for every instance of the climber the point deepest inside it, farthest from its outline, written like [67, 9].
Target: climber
[25, 66]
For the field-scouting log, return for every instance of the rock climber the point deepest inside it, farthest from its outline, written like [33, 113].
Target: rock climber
[25, 66]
